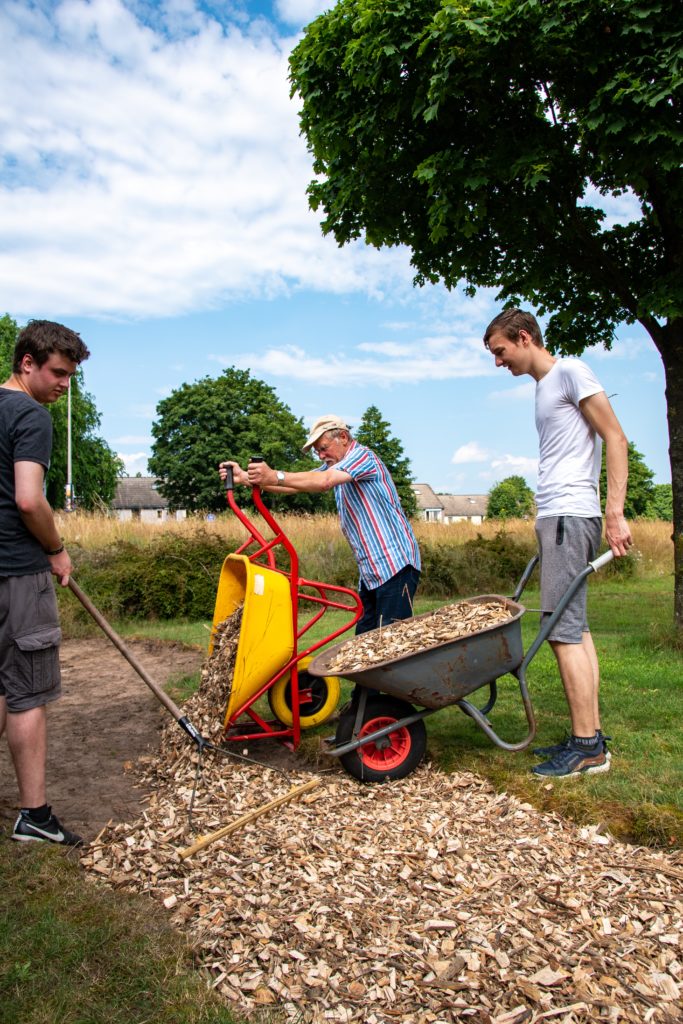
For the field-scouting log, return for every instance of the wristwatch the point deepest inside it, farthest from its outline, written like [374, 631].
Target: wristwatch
[280, 476]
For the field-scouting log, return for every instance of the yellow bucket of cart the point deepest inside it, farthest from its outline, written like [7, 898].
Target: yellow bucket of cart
[266, 639]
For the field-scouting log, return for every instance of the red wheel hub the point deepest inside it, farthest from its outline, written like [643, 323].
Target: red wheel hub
[389, 751]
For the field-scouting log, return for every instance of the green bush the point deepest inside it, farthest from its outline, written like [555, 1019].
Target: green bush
[478, 566]
[172, 577]
[176, 577]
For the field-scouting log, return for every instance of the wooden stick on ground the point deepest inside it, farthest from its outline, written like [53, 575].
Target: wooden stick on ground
[246, 818]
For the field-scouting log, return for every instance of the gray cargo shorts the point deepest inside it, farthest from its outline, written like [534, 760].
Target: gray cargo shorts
[566, 545]
[29, 641]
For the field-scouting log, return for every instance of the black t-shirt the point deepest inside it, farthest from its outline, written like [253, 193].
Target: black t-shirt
[25, 436]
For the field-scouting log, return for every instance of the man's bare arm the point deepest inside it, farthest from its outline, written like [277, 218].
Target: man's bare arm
[599, 413]
[312, 482]
[36, 513]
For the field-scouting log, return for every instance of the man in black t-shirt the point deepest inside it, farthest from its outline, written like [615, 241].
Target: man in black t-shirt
[45, 358]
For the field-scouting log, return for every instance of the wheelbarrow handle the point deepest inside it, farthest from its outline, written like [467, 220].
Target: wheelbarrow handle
[598, 563]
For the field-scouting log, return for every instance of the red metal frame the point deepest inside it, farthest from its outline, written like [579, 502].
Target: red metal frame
[322, 596]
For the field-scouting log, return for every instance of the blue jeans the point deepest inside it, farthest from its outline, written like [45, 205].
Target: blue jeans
[389, 602]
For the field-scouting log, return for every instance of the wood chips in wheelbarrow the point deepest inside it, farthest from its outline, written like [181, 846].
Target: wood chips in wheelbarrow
[412, 635]
[428, 900]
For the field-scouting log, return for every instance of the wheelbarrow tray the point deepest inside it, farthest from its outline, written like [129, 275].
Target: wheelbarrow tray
[266, 638]
[444, 673]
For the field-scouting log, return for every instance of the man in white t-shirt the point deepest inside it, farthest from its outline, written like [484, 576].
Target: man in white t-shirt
[573, 418]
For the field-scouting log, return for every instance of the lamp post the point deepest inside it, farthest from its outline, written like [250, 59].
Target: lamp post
[68, 489]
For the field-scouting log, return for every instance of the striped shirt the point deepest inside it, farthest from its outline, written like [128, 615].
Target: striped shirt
[372, 519]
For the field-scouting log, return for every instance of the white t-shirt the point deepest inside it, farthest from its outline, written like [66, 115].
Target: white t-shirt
[570, 450]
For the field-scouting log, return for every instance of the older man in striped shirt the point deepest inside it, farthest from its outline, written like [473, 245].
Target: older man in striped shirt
[370, 514]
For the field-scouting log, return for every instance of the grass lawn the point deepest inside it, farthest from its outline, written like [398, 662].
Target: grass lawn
[641, 798]
[75, 953]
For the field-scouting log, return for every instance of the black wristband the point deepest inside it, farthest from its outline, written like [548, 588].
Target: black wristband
[57, 551]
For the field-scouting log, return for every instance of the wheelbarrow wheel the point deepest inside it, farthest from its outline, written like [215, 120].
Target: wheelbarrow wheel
[391, 757]
[325, 691]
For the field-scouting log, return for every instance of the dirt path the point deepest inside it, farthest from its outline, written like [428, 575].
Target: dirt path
[106, 717]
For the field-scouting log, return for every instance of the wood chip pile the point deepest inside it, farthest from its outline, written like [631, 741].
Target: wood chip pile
[413, 635]
[428, 900]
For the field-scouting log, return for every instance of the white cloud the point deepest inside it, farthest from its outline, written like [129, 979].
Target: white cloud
[147, 173]
[135, 462]
[300, 12]
[470, 452]
[130, 439]
[514, 465]
[426, 359]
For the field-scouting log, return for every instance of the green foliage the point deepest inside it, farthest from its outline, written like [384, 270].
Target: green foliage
[233, 416]
[176, 577]
[95, 467]
[8, 338]
[486, 136]
[173, 577]
[472, 133]
[660, 505]
[374, 433]
[512, 498]
[640, 489]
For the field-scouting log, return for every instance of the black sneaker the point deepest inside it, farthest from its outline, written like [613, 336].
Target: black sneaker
[555, 748]
[570, 761]
[26, 830]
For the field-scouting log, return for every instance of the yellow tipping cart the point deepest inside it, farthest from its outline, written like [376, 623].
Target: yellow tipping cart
[269, 657]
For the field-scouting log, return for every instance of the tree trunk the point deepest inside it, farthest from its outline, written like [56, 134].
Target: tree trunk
[670, 345]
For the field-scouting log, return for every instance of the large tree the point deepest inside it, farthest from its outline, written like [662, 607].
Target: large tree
[640, 490]
[232, 416]
[511, 498]
[95, 468]
[661, 503]
[484, 135]
[375, 433]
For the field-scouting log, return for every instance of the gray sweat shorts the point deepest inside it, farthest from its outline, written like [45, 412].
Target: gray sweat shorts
[29, 641]
[566, 545]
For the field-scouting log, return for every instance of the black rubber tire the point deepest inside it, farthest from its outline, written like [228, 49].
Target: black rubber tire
[396, 755]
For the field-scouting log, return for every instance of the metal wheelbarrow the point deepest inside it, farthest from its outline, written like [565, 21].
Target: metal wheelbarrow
[382, 736]
[271, 658]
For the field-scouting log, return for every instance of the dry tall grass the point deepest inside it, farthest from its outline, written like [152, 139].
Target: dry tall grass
[652, 539]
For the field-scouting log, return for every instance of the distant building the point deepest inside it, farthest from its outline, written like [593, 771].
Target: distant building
[460, 507]
[136, 497]
[449, 508]
[429, 507]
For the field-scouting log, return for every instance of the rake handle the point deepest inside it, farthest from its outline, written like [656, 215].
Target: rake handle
[246, 818]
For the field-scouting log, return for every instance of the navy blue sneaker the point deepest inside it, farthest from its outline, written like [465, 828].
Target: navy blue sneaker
[26, 830]
[555, 748]
[571, 761]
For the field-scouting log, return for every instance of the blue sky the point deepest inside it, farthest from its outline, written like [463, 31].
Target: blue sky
[152, 197]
